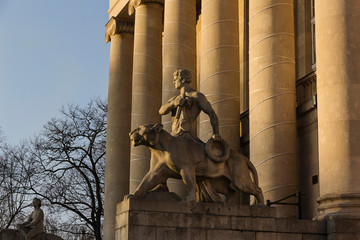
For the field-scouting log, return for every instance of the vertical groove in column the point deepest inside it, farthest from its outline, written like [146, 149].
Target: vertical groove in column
[118, 122]
[179, 51]
[147, 75]
[272, 101]
[338, 87]
[219, 68]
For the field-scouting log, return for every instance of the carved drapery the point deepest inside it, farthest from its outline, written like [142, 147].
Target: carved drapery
[133, 4]
[117, 26]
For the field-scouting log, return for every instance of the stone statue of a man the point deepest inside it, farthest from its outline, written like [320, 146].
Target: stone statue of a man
[35, 223]
[187, 106]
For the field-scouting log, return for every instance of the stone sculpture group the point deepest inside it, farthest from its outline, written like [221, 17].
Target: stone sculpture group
[182, 154]
[35, 223]
[31, 229]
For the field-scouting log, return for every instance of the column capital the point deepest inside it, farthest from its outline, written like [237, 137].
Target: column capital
[117, 26]
[135, 3]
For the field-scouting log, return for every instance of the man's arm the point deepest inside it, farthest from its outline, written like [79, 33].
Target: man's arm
[206, 107]
[29, 220]
[167, 107]
[39, 216]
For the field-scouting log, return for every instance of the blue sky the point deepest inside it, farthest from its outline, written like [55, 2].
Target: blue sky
[52, 52]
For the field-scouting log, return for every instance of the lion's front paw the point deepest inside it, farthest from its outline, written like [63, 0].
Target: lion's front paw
[128, 196]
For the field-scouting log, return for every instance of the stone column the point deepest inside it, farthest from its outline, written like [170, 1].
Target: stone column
[272, 99]
[179, 51]
[338, 91]
[219, 68]
[147, 78]
[117, 167]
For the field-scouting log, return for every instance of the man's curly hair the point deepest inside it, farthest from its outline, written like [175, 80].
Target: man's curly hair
[184, 74]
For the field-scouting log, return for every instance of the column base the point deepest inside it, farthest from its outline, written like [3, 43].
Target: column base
[339, 206]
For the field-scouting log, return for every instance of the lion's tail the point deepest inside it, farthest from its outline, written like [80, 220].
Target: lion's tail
[253, 171]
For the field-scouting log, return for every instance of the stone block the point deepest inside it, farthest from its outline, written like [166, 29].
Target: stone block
[153, 206]
[232, 210]
[121, 233]
[180, 234]
[229, 235]
[138, 219]
[123, 206]
[343, 226]
[253, 224]
[266, 236]
[265, 212]
[209, 221]
[286, 225]
[195, 207]
[222, 209]
[277, 236]
[164, 219]
[314, 237]
[140, 232]
[344, 236]
[121, 220]
[288, 236]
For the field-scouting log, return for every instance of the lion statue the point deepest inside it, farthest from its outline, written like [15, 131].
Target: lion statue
[174, 157]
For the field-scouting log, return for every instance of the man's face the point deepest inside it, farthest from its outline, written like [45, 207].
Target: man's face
[177, 82]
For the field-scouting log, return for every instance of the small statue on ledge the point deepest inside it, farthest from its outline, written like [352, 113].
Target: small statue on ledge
[206, 169]
[35, 223]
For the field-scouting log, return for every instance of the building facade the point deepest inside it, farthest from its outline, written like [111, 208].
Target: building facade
[282, 76]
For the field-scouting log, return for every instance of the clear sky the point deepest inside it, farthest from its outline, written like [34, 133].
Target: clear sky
[52, 52]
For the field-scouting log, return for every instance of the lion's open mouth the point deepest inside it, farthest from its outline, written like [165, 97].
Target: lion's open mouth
[135, 142]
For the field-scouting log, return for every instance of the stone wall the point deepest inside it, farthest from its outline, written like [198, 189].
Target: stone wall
[139, 219]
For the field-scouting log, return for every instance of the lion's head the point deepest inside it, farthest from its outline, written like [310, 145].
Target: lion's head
[145, 134]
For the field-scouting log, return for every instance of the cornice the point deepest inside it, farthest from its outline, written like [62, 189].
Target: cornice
[117, 26]
[133, 4]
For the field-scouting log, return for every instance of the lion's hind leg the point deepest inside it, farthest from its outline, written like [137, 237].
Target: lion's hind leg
[254, 190]
[189, 178]
[259, 196]
[156, 176]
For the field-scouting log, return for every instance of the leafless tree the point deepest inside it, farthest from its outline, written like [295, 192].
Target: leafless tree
[68, 158]
[14, 181]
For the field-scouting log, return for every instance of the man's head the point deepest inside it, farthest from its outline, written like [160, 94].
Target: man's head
[36, 202]
[181, 77]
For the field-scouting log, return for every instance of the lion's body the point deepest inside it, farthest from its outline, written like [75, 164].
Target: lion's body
[177, 157]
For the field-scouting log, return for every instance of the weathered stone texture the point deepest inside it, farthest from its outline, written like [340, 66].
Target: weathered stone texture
[206, 221]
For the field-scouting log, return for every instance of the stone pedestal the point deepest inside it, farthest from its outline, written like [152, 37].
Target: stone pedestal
[140, 219]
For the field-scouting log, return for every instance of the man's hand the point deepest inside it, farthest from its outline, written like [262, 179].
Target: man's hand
[179, 101]
[216, 137]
